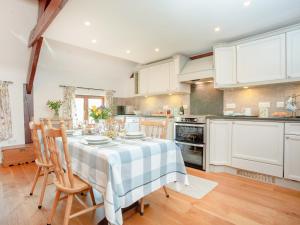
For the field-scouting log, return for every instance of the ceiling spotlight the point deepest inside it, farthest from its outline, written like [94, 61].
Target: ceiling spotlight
[87, 23]
[157, 49]
[128, 51]
[247, 3]
[217, 29]
[94, 41]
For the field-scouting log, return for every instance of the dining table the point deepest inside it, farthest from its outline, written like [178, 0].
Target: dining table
[124, 171]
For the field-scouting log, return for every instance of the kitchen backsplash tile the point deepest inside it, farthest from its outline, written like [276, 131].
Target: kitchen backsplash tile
[153, 104]
[205, 99]
[251, 97]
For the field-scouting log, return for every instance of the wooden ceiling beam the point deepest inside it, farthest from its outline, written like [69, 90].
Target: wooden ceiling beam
[48, 9]
[201, 55]
[51, 9]
[34, 59]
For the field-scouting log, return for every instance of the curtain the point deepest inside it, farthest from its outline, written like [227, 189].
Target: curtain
[5, 113]
[109, 97]
[69, 106]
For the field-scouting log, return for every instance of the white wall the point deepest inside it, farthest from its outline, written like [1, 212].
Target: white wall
[17, 18]
[63, 64]
[59, 64]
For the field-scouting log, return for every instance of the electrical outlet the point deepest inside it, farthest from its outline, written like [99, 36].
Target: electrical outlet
[264, 104]
[280, 104]
[230, 106]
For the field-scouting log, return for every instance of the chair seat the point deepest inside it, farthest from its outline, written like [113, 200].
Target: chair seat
[79, 185]
[42, 164]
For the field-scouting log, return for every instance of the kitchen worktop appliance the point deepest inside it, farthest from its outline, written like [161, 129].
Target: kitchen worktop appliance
[189, 135]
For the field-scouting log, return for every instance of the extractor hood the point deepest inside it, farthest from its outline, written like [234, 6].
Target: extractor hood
[191, 70]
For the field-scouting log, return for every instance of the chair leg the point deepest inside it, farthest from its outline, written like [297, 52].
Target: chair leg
[142, 206]
[68, 209]
[46, 173]
[166, 192]
[92, 196]
[36, 177]
[52, 213]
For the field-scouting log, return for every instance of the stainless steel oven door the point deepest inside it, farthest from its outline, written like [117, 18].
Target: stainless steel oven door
[193, 155]
[189, 133]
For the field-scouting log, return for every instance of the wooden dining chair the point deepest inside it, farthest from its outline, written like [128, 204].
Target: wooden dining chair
[42, 158]
[66, 182]
[154, 129]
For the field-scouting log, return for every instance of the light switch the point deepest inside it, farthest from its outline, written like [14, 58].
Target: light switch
[280, 104]
[230, 106]
[264, 104]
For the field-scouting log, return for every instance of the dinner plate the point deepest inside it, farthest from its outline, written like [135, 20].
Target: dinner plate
[135, 134]
[98, 139]
[69, 132]
[134, 137]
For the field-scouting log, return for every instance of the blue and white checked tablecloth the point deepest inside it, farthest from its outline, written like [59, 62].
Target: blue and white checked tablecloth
[128, 171]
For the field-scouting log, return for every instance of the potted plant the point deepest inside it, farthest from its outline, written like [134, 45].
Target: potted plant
[99, 115]
[55, 105]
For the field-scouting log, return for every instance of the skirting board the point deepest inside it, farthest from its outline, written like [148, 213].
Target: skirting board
[277, 181]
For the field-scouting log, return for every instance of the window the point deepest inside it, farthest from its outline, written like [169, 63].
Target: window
[84, 103]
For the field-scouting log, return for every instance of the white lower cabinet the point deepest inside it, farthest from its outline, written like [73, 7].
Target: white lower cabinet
[220, 142]
[292, 157]
[258, 146]
[250, 145]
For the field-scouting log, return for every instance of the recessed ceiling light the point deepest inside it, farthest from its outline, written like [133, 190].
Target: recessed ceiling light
[128, 51]
[217, 29]
[156, 49]
[247, 3]
[94, 41]
[87, 23]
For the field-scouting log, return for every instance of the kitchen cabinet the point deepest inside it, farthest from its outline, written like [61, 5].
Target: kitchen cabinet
[144, 75]
[220, 142]
[174, 84]
[258, 146]
[292, 157]
[225, 66]
[293, 52]
[261, 60]
[160, 79]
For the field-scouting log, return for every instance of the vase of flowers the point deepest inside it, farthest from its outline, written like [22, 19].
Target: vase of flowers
[100, 115]
[55, 105]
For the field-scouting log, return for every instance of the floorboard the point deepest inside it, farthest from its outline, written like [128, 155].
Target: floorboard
[235, 201]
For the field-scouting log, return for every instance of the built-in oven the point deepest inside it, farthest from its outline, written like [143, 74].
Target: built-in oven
[190, 137]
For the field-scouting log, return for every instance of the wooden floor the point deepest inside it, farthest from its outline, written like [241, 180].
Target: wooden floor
[235, 200]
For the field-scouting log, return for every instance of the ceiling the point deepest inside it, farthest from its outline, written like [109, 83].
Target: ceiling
[173, 26]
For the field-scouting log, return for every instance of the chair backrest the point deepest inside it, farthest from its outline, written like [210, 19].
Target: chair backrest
[154, 129]
[52, 134]
[41, 157]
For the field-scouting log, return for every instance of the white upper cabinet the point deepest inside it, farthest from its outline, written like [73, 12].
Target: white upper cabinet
[143, 81]
[160, 79]
[225, 65]
[174, 84]
[220, 142]
[261, 60]
[293, 53]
